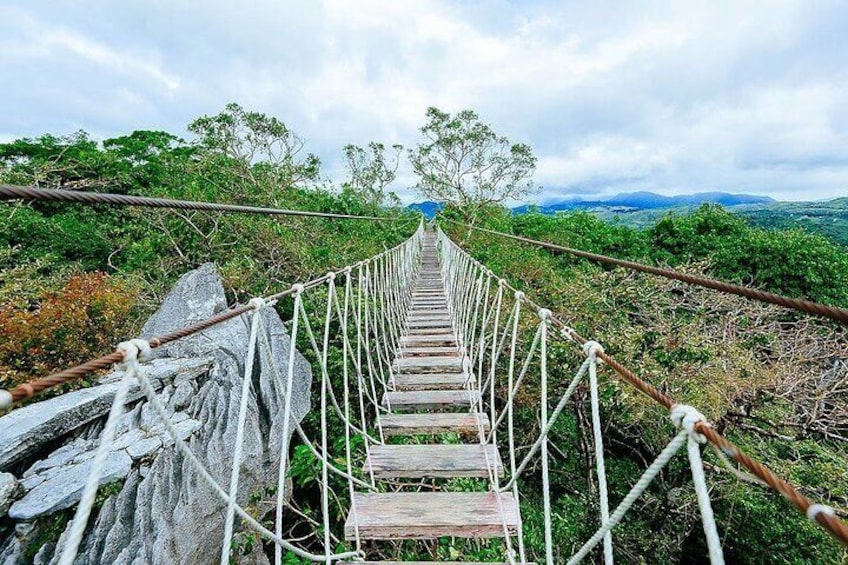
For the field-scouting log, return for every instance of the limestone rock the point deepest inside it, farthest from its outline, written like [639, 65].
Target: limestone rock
[9, 488]
[64, 488]
[164, 512]
[28, 429]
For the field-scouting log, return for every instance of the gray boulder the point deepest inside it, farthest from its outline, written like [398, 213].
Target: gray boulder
[9, 488]
[28, 429]
[165, 513]
[64, 488]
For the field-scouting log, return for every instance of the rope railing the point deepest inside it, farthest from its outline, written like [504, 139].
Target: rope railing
[807, 306]
[696, 427]
[370, 286]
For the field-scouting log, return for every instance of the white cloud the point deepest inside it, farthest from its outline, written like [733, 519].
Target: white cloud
[614, 97]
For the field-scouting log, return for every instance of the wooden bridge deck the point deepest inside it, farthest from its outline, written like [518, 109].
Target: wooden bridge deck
[432, 395]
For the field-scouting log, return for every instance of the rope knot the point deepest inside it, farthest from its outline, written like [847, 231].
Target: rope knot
[688, 417]
[519, 295]
[297, 288]
[257, 303]
[501, 283]
[544, 314]
[331, 275]
[592, 348]
[815, 509]
[134, 350]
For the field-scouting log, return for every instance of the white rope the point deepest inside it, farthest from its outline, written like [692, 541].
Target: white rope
[257, 304]
[284, 447]
[688, 418]
[544, 315]
[640, 487]
[592, 348]
[132, 350]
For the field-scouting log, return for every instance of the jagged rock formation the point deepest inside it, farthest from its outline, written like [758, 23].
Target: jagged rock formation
[161, 512]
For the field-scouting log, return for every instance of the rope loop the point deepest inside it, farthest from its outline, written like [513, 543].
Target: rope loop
[257, 303]
[297, 288]
[815, 509]
[592, 348]
[331, 275]
[134, 350]
[545, 314]
[687, 417]
[519, 295]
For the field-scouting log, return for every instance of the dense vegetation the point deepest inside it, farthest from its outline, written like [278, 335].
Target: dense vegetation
[772, 381]
[767, 378]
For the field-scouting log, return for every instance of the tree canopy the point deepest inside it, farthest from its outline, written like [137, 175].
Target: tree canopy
[463, 161]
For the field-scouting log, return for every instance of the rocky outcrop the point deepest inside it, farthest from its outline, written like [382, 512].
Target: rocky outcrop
[162, 511]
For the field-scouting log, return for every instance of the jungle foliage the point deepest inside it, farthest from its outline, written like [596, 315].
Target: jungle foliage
[773, 381]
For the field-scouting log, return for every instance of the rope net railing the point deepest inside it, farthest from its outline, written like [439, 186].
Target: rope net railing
[362, 307]
[508, 355]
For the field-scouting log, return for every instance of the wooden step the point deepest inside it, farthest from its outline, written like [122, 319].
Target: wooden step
[451, 364]
[432, 340]
[443, 351]
[428, 331]
[430, 381]
[431, 400]
[434, 424]
[433, 461]
[430, 515]
[428, 563]
[417, 324]
[413, 319]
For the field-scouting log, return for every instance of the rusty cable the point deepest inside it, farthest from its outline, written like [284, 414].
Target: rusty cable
[815, 308]
[32, 194]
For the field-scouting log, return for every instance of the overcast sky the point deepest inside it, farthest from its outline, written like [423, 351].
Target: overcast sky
[674, 97]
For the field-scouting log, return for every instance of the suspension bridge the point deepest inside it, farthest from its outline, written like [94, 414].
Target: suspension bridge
[435, 350]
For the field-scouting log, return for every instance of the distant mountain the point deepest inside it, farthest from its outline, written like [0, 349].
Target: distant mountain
[428, 208]
[647, 201]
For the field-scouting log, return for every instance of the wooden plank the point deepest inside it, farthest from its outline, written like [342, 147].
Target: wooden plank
[414, 324]
[443, 351]
[430, 515]
[446, 338]
[433, 461]
[428, 331]
[452, 364]
[434, 424]
[431, 562]
[431, 381]
[431, 399]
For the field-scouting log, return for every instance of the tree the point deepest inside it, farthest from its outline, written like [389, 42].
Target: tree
[461, 160]
[372, 171]
[260, 149]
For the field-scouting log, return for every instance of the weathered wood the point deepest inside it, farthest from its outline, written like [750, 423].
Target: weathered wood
[428, 331]
[434, 340]
[431, 399]
[433, 424]
[452, 364]
[418, 324]
[427, 563]
[430, 515]
[436, 461]
[425, 351]
[430, 381]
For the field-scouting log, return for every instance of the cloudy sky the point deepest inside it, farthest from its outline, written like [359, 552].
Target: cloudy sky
[674, 97]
